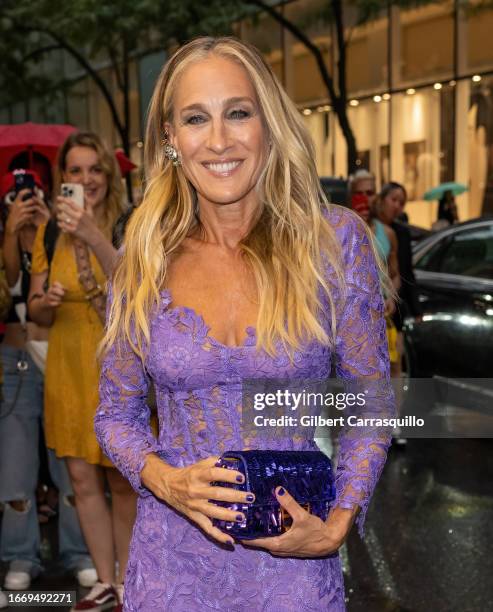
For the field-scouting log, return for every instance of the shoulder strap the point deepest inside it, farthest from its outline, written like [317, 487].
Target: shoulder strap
[49, 239]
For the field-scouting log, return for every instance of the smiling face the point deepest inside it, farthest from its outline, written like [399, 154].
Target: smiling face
[218, 131]
[82, 165]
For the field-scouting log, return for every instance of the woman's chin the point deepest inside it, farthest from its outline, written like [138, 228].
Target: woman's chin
[92, 202]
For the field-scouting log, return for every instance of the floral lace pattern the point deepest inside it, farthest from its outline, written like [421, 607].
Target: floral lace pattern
[198, 384]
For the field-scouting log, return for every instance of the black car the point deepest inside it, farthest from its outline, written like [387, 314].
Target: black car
[454, 275]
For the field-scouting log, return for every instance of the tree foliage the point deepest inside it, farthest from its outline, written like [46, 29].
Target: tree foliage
[97, 32]
[94, 32]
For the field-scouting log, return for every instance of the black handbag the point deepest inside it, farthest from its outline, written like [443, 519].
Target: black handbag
[306, 475]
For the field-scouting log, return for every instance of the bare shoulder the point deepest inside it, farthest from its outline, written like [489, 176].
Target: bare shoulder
[390, 233]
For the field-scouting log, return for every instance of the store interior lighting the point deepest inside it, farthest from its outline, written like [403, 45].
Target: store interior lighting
[437, 86]
[353, 102]
[307, 111]
[476, 78]
[377, 98]
[410, 91]
[386, 96]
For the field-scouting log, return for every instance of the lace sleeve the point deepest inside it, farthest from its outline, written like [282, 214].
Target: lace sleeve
[122, 422]
[362, 362]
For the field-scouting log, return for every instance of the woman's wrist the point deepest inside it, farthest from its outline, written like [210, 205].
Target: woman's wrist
[94, 238]
[153, 474]
[40, 311]
[339, 523]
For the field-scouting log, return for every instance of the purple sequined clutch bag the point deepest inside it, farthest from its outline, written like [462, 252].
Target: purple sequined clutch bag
[306, 475]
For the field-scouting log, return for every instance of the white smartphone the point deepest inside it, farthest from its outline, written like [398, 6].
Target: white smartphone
[75, 192]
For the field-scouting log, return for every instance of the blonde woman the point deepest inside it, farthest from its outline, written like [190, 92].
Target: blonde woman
[231, 270]
[72, 306]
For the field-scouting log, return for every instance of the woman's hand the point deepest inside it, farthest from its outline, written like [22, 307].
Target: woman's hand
[54, 295]
[41, 212]
[75, 220]
[188, 490]
[21, 212]
[308, 536]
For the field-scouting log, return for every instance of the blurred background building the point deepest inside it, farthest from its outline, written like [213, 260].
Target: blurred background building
[419, 85]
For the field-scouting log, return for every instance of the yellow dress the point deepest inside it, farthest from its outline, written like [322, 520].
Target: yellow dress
[72, 371]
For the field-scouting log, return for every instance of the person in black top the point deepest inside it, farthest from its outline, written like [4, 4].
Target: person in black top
[390, 209]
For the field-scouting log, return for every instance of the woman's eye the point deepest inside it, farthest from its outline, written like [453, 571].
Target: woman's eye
[195, 119]
[239, 114]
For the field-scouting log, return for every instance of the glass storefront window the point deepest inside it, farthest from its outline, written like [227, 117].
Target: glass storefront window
[319, 124]
[367, 57]
[370, 123]
[480, 137]
[427, 41]
[307, 82]
[479, 25]
[415, 149]
[447, 133]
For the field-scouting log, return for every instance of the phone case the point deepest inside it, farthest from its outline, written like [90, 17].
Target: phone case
[75, 192]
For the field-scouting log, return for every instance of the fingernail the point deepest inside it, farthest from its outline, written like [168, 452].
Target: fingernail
[239, 518]
[239, 479]
[249, 498]
[281, 491]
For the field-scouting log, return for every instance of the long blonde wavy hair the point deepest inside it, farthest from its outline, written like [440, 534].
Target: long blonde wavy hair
[114, 202]
[284, 244]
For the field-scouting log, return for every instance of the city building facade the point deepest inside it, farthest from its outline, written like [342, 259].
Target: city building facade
[420, 96]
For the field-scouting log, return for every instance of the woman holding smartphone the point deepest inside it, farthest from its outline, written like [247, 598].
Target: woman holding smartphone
[73, 307]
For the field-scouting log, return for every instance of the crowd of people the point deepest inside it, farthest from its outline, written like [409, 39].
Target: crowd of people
[384, 211]
[58, 257]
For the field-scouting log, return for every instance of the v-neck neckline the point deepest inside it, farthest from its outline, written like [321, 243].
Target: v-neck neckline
[250, 331]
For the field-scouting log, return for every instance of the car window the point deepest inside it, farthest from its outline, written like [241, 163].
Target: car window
[430, 261]
[467, 253]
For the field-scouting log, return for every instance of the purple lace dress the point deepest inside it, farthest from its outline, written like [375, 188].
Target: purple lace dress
[172, 564]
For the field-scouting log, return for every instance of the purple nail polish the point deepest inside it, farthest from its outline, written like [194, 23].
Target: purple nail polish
[239, 518]
[239, 479]
[281, 491]
[249, 498]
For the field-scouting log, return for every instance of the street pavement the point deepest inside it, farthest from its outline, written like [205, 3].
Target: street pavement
[428, 536]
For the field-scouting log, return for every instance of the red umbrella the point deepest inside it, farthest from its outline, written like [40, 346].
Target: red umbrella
[126, 165]
[32, 137]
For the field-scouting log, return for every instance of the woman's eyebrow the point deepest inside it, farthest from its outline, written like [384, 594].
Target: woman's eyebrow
[228, 102]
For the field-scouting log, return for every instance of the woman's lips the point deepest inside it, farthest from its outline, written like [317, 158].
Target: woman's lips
[222, 169]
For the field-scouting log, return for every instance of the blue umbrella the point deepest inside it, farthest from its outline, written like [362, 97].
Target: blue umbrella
[437, 193]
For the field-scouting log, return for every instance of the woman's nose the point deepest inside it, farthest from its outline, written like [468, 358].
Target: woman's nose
[218, 139]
